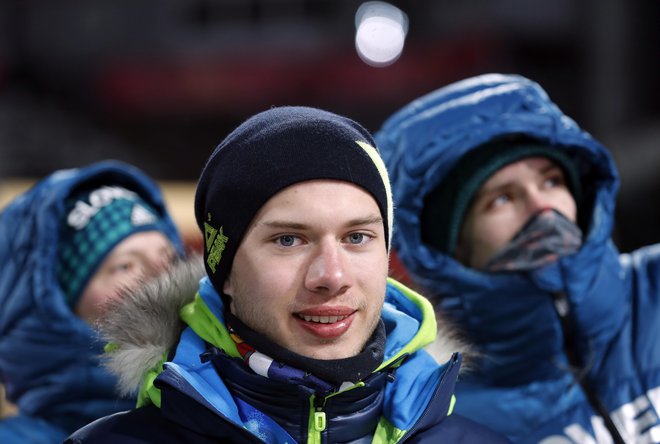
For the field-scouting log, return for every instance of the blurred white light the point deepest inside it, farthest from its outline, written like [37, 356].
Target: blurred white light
[381, 29]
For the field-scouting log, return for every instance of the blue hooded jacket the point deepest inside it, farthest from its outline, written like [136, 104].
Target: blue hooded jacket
[523, 385]
[48, 356]
[204, 392]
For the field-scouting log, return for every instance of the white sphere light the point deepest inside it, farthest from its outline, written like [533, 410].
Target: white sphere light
[381, 32]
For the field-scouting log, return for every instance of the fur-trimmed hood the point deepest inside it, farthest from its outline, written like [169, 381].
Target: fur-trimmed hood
[144, 325]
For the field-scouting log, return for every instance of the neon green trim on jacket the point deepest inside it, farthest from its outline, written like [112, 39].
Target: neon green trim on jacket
[149, 393]
[452, 403]
[386, 433]
[199, 317]
[428, 327]
[110, 347]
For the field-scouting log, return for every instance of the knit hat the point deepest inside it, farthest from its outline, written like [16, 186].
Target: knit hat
[269, 152]
[446, 206]
[95, 221]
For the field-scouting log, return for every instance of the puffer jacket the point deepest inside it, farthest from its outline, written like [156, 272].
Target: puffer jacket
[48, 356]
[570, 351]
[205, 393]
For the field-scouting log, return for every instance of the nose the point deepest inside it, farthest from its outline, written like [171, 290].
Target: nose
[327, 272]
[536, 201]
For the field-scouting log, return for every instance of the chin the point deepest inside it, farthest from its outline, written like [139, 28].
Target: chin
[334, 352]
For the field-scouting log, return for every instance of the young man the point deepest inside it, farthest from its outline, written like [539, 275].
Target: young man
[295, 334]
[505, 212]
[69, 244]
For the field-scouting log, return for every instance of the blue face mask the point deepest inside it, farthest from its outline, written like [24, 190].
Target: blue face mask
[547, 236]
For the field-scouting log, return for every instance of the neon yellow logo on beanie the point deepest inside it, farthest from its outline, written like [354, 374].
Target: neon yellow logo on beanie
[215, 242]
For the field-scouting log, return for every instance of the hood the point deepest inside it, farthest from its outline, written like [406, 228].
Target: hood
[506, 311]
[48, 356]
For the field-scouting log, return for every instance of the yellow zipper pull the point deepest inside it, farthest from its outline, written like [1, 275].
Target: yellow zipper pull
[319, 421]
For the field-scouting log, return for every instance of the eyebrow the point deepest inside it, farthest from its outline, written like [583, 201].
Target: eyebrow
[486, 191]
[281, 224]
[545, 170]
[551, 166]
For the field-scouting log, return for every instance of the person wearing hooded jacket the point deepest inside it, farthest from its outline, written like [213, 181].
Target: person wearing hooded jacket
[294, 333]
[76, 238]
[505, 209]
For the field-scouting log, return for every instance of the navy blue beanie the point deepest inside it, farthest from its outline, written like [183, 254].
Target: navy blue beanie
[269, 152]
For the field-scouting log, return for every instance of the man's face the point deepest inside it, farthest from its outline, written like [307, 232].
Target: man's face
[138, 257]
[506, 201]
[310, 273]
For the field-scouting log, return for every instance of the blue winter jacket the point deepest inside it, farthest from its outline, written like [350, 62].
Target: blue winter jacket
[193, 397]
[609, 302]
[48, 356]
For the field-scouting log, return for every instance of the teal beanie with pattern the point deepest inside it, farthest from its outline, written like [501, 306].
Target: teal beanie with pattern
[95, 221]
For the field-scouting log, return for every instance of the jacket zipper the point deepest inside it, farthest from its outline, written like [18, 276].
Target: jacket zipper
[562, 307]
[317, 420]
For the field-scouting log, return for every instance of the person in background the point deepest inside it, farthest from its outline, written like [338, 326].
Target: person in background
[75, 240]
[505, 210]
[295, 334]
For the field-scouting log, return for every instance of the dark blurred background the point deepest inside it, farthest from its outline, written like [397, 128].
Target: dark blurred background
[159, 83]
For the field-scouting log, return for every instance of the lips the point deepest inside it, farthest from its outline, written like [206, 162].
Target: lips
[327, 323]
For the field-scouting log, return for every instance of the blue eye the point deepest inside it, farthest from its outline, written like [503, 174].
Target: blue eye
[500, 200]
[287, 240]
[553, 182]
[356, 238]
